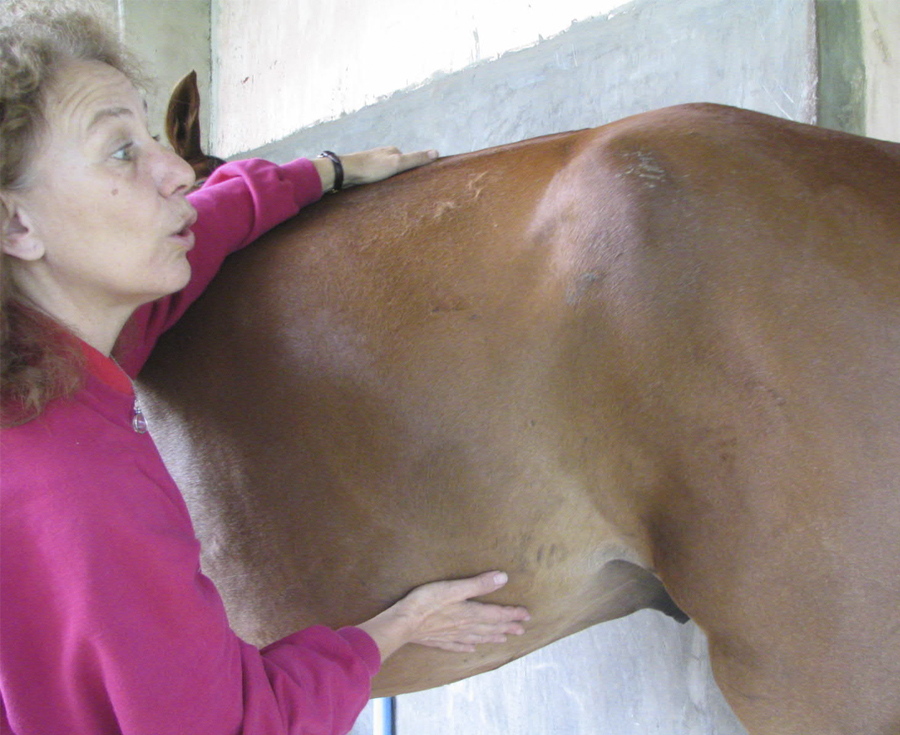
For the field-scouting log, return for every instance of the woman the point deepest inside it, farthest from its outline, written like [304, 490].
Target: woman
[107, 623]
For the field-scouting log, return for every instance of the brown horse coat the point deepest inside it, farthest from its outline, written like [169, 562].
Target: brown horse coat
[664, 349]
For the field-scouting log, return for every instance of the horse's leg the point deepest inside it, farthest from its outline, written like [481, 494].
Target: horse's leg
[802, 616]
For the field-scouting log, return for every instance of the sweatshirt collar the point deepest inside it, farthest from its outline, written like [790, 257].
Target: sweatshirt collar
[106, 370]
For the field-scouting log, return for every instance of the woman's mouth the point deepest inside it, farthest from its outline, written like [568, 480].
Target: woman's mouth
[185, 236]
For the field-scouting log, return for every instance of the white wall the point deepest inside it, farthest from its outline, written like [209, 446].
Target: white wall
[302, 61]
[759, 54]
[172, 37]
[299, 63]
[880, 21]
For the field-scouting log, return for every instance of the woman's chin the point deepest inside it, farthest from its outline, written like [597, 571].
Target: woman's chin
[179, 277]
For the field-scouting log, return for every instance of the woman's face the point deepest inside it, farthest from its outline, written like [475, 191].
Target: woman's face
[103, 221]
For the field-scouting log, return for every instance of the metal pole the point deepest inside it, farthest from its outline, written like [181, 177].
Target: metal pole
[383, 716]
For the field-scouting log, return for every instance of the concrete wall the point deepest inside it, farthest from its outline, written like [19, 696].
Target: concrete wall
[638, 675]
[880, 30]
[859, 66]
[270, 85]
[648, 53]
[300, 63]
[173, 37]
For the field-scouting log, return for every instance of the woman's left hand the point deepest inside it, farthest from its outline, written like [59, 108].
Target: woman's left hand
[366, 167]
[444, 615]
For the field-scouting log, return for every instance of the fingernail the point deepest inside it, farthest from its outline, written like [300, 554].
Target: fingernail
[501, 578]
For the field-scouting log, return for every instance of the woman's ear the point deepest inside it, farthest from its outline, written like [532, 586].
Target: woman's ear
[18, 236]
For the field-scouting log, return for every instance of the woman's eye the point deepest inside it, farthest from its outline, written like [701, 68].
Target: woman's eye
[124, 153]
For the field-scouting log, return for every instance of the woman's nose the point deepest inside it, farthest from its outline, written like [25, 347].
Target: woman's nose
[176, 174]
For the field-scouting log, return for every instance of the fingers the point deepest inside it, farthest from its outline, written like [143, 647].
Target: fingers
[457, 590]
[389, 161]
[450, 619]
[404, 161]
[438, 595]
[469, 626]
[443, 615]
[478, 618]
[473, 623]
[414, 160]
[467, 644]
[490, 631]
[373, 165]
[453, 647]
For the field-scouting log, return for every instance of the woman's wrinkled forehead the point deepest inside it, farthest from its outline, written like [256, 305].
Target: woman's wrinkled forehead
[86, 94]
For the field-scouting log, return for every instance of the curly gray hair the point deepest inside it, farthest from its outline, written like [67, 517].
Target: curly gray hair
[37, 38]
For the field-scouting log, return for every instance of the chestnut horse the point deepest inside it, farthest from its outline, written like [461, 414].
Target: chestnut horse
[650, 362]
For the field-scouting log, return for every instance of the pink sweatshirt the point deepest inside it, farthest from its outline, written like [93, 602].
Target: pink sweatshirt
[107, 624]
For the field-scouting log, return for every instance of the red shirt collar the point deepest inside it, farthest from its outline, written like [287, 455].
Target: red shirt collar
[106, 370]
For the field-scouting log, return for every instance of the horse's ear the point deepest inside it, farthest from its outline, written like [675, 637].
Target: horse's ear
[183, 119]
[183, 127]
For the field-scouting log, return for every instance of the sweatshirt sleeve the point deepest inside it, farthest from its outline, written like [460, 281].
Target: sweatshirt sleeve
[240, 202]
[108, 624]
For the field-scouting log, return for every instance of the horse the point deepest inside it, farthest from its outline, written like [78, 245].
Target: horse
[182, 126]
[652, 364]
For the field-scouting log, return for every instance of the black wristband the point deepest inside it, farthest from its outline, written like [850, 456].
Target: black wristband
[338, 169]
